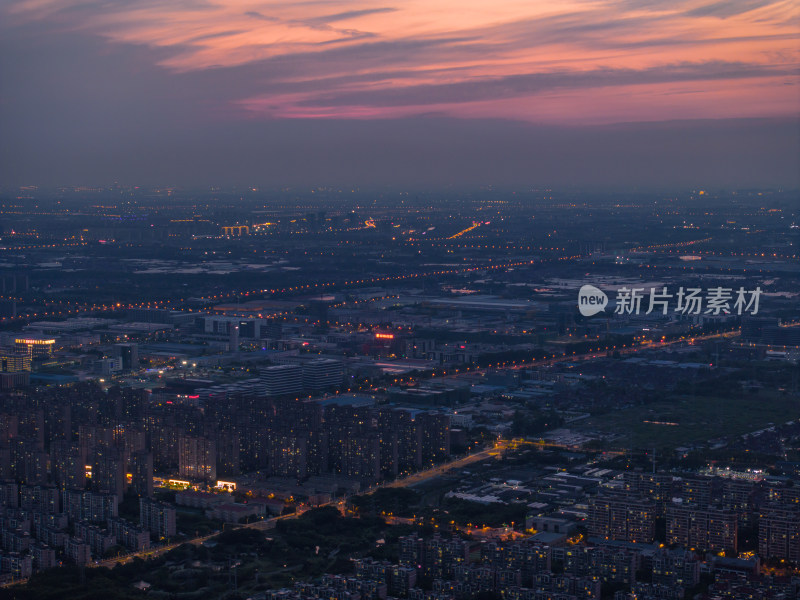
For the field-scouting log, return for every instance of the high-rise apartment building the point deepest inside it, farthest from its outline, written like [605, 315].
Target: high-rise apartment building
[622, 517]
[197, 458]
[779, 532]
[711, 529]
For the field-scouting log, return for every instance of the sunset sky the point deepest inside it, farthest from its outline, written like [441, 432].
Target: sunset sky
[125, 89]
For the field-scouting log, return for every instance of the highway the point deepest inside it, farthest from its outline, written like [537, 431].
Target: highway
[599, 353]
[149, 553]
[495, 452]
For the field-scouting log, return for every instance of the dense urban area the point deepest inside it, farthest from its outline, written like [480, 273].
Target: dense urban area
[360, 395]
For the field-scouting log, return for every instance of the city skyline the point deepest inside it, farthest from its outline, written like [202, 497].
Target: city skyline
[444, 395]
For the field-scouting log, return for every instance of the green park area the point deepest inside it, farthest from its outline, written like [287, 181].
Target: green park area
[234, 565]
[693, 420]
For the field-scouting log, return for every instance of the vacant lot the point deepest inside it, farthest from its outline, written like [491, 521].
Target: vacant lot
[694, 419]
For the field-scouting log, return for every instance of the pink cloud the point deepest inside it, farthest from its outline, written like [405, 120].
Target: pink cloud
[350, 58]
